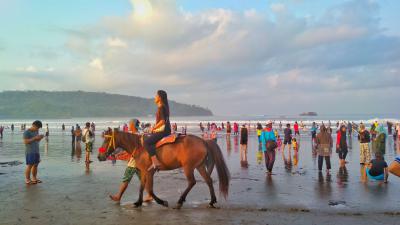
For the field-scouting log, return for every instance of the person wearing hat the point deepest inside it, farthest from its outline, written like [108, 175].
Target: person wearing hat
[269, 145]
[31, 140]
[364, 138]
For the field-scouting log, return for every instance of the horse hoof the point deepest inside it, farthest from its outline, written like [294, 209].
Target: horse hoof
[178, 206]
[212, 206]
[165, 204]
[137, 204]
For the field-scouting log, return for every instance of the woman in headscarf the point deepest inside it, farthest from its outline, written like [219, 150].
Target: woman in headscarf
[324, 148]
[379, 143]
[341, 145]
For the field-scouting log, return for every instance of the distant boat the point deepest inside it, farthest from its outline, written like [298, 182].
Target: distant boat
[309, 114]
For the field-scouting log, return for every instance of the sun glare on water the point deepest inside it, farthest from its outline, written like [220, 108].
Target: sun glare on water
[142, 9]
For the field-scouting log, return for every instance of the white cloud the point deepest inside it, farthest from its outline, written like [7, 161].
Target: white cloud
[239, 55]
[278, 7]
[34, 69]
[96, 63]
[116, 43]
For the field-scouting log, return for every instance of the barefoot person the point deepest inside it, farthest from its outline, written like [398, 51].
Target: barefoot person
[31, 141]
[244, 136]
[364, 138]
[341, 145]
[131, 169]
[88, 139]
[161, 129]
[287, 140]
[269, 145]
[324, 149]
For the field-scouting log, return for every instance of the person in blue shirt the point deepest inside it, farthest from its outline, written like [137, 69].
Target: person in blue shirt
[31, 140]
[268, 143]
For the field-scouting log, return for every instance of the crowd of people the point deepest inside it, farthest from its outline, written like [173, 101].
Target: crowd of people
[372, 143]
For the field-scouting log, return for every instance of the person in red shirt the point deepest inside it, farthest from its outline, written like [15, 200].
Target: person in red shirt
[296, 129]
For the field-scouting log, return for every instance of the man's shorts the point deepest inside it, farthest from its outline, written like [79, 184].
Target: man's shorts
[296, 132]
[129, 172]
[32, 158]
[287, 141]
[89, 147]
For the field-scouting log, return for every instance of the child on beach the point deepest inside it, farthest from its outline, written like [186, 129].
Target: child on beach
[295, 145]
[279, 142]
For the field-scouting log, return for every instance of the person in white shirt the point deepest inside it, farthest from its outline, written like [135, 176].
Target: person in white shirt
[88, 139]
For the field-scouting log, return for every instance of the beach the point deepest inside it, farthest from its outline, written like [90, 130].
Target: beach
[72, 194]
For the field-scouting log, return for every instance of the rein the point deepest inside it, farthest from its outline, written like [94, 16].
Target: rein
[112, 143]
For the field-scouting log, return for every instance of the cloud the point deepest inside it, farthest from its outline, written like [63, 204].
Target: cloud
[234, 61]
[116, 43]
[96, 63]
[33, 69]
[278, 7]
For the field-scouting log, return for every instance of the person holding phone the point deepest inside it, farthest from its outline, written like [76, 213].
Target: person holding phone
[31, 140]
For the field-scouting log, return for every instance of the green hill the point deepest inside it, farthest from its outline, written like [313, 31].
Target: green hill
[43, 104]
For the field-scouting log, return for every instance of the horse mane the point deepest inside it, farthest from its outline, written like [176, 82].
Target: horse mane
[129, 142]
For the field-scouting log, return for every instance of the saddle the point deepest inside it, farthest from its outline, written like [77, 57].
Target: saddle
[167, 140]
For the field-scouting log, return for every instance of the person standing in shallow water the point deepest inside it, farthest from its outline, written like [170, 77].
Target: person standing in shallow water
[268, 143]
[364, 138]
[31, 140]
[324, 148]
[88, 139]
[341, 145]
[161, 129]
[379, 143]
[244, 136]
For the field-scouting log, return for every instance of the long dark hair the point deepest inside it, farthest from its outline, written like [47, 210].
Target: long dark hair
[164, 100]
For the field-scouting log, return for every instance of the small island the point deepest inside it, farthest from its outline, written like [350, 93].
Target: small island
[308, 114]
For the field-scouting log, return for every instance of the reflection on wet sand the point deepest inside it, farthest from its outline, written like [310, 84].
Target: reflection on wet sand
[296, 159]
[342, 177]
[287, 160]
[77, 151]
[46, 147]
[324, 185]
[236, 143]
[243, 156]
[228, 145]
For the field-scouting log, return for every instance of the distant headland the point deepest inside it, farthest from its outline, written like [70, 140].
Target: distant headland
[72, 104]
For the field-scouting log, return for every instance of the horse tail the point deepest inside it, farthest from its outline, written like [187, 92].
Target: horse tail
[223, 172]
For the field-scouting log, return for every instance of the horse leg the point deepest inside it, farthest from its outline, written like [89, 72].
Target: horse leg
[139, 202]
[189, 173]
[149, 182]
[207, 178]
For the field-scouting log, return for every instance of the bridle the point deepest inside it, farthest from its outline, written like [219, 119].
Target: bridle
[109, 150]
[111, 143]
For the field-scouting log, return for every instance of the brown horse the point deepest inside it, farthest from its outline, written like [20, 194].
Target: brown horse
[188, 152]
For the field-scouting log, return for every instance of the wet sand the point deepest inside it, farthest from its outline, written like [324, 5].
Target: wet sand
[293, 195]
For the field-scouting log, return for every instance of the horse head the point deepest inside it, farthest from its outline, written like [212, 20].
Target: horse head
[109, 145]
[114, 140]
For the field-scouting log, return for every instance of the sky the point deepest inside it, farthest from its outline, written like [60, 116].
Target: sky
[235, 57]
